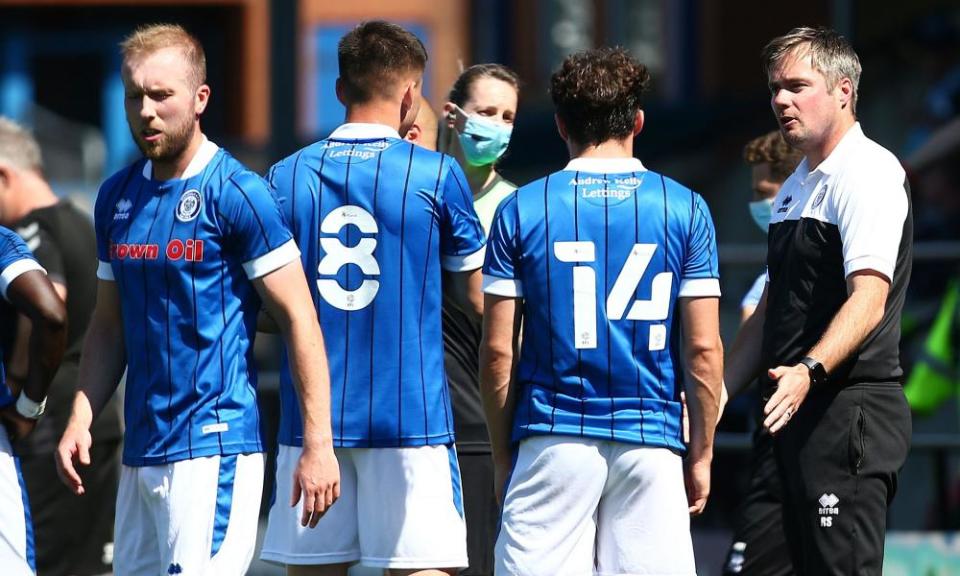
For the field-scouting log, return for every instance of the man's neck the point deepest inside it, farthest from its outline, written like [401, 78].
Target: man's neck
[375, 112]
[606, 149]
[822, 150]
[34, 194]
[172, 169]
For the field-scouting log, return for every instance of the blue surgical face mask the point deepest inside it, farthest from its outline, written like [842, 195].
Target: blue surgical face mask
[482, 140]
[761, 211]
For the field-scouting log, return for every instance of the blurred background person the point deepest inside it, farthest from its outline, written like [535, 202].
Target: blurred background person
[759, 546]
[478, 123]
[62, 240]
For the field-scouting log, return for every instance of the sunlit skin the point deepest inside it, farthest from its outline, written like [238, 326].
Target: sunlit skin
[763, 185]
[812, 117]
[163, 109]
[491, 99]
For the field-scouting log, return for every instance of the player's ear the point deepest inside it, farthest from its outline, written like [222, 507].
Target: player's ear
[201, 99]
[408, 101]
[561, 127]
[638, 122]
[413, 134]
[339, 90]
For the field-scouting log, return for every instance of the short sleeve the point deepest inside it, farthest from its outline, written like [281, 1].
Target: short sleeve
[15, 260]
[752, 298]
[102, 215]
[461, 235]
[45, 250]
[254, 226]
[501, 266]
[280, 180]
[701, 276]
[870, 212]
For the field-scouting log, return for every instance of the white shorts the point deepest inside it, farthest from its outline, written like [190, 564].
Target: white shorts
[16, 531]
[193, 517]
[579, 506]
[398, 508]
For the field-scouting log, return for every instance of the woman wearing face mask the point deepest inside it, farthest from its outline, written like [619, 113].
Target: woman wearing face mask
[478, 122]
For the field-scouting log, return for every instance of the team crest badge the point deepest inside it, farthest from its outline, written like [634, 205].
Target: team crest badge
[189, 205]
[819, 199]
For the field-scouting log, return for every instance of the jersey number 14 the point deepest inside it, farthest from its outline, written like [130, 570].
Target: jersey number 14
[585, 289]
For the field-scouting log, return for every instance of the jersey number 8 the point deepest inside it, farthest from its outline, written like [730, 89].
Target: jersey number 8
[585, 289]
[337, 255]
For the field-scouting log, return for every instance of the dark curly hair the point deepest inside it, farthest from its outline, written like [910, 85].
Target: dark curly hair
[597, 94]
[460, 92]
[373, 54]
[772, 149]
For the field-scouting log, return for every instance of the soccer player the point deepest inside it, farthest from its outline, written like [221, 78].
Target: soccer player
[759, 547]
[825, 337]
[24, 289]
[377, 219]
[61, 238]
[604, 262]
[190, 243]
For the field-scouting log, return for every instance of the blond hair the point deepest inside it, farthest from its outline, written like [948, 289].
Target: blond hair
[153, 37]
[830, 54]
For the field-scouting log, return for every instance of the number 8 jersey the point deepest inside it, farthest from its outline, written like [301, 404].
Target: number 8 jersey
[376, 218]
[599, 253]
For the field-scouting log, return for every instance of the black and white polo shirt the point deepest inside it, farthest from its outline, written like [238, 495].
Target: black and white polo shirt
[851, 213]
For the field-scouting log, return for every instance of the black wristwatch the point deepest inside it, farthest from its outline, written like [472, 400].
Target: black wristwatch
[818, 374]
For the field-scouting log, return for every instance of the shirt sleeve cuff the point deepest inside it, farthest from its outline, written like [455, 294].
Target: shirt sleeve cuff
[874, 263]
[464, 263]
[699, 288]
[13, 271]
[273, 260]
[507, 287]
[105, 271]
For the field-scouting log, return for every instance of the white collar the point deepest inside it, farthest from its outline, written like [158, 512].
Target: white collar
[605, 165]
[363, 131]
[201, 158]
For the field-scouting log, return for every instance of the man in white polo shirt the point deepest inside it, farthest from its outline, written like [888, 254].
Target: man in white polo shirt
[825, 336]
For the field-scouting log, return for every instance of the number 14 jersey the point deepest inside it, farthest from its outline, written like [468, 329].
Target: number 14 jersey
[376, 218]
[600, 252]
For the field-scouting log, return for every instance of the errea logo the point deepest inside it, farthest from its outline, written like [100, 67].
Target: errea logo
[785, 205]
[828, 509]
[122, 210]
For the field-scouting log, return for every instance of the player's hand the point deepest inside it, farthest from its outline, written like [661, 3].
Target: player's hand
[74, 448]
[17, 426]
[793, 384]
[317, 480]
[697, 481]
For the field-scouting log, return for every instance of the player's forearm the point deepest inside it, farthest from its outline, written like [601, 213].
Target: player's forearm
[48, 339]
[102, 363]
[496, 366]
[856, 319]
[311, 375]
[743, 364]
[704, 371]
